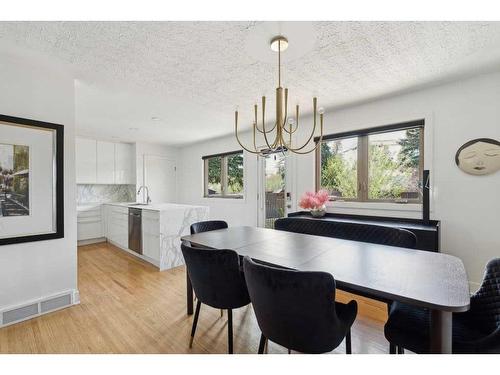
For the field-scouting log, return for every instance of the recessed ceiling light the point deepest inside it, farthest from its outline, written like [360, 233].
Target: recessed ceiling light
[154, 118]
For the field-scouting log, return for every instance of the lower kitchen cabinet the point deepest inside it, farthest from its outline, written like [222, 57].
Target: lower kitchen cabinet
[89, 223]
[117, 225]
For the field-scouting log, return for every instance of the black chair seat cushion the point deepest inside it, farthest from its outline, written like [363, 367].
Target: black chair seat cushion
[409, 327]
[349, 231]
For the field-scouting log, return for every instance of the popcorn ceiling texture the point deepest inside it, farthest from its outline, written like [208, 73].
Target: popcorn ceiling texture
[193, 74]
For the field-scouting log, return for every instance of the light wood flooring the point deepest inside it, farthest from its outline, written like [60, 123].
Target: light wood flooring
[128, 306]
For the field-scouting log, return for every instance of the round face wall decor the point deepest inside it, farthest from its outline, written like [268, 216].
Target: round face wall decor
[479, 157]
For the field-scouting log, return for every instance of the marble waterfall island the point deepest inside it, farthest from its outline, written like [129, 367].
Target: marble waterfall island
[175, 222]
[162, 227]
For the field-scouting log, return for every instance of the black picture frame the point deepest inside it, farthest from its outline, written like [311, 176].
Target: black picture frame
[59, 183]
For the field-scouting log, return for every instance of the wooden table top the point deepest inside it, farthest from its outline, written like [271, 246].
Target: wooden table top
[421, 278]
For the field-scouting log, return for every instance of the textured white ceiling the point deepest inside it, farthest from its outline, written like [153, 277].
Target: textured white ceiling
[192, 75]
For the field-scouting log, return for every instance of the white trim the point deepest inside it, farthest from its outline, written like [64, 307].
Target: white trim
[91, 241]
[74, 296]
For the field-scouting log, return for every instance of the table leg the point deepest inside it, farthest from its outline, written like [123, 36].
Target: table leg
[441, 331]
[189, 295]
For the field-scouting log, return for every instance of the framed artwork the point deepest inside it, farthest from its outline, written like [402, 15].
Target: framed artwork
[31, 180]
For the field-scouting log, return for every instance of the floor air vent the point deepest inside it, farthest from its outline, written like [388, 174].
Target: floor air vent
[55, 303]
[35, 309]
[20, 313]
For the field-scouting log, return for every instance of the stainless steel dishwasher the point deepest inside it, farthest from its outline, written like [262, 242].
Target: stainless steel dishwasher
[135, 230]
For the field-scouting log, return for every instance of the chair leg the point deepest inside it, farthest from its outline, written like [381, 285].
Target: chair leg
[195, 322]
[262, 343]
[392, 348]
[348, 342]
[401, 350]
[230, 331]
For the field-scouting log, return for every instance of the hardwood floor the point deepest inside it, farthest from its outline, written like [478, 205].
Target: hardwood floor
[127, 306]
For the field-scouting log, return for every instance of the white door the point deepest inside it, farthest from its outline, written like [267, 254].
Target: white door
[160, 178]
[274, 189]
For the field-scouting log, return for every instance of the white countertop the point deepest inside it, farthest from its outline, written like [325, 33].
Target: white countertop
[87, 206]
[155, 206]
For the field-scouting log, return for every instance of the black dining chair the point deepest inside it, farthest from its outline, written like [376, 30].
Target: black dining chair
[297, 309]
[217, 281]
[474, 331]
[206, 226]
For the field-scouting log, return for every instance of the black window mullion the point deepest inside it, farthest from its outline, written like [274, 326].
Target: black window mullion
[363, 168]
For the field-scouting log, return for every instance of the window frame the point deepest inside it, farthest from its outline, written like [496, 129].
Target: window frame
[363, 160]
[224, 175]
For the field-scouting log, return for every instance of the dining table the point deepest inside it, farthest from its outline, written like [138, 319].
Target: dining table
[424, 279]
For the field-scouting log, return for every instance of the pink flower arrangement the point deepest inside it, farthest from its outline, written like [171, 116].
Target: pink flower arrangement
[314, 201]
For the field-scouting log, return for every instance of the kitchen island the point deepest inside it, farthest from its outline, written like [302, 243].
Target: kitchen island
[156, 236]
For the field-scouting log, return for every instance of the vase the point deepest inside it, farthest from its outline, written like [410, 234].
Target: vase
[318, 212]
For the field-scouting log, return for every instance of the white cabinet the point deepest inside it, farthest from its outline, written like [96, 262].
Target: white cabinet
[151, 234]
[117, 225]
[105, 162]
[101, 162]
[90, 223]
[86, 161]
[124, 161]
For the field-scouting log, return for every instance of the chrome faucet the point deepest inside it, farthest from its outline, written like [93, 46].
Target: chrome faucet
[148, 199]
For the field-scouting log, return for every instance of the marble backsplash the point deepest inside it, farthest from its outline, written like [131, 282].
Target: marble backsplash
[105, 193]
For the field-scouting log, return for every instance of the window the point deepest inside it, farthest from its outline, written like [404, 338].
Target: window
[223, 175]
[375, 165]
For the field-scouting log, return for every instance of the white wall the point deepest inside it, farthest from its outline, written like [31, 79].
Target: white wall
[468, 206]
[33, 88]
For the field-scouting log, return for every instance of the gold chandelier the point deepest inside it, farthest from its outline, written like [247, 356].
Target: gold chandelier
[285, 126]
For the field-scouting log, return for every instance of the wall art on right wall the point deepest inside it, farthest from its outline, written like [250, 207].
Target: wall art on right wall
[479, 156]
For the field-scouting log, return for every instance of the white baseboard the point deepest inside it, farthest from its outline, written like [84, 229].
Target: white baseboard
[40, 306]
[91, 241]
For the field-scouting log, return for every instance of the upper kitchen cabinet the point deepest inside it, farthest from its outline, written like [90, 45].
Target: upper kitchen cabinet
[101, 162]
[105, 162]
[86, 161]
[124, 164]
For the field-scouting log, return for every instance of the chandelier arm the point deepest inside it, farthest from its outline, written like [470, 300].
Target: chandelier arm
[313, 129]
[282, 149]
[296, 120]
[255, 107]
[264, 123]
[238, 139]
[254, 143]
[286, 108]
[317, 143]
